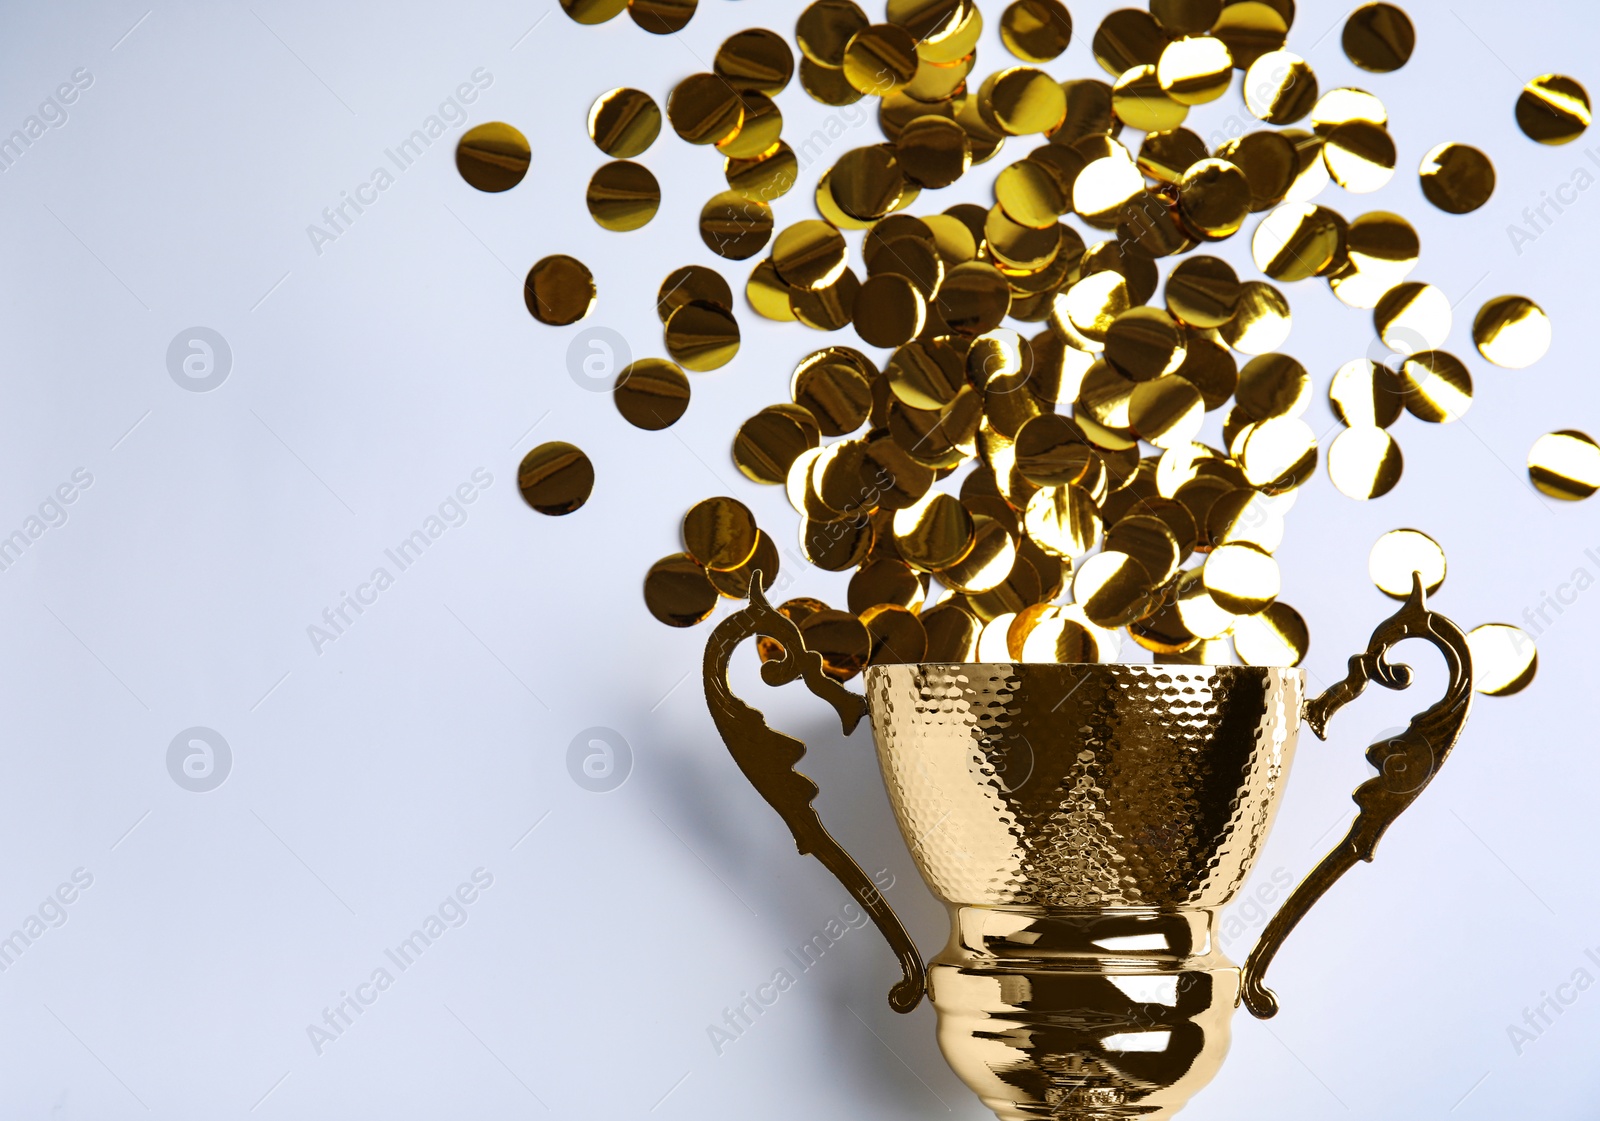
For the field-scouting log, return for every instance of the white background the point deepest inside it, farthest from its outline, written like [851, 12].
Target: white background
[371, 778]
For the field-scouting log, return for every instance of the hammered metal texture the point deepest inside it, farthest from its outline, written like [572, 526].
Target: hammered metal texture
[1084, 785]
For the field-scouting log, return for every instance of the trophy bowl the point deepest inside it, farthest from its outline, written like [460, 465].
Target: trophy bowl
[1084, 823]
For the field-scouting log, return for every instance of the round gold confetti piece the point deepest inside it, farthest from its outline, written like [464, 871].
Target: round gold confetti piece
[1050, 451]
[1127, 38]
[1162, 631]
[1144, 343]
[1199, 613]
[662, 17]
[593, 11]
[946, 30]
[1381, 250]
[702, 336]
[986, 564]
[678, 592]
[1262, 320]
[719, 533]
[1250, 30]
[761, 129]
[824, 29]
[559, 290]
[624, 122]
[1063, 521]
[1553, 109]
[1112, 588]
[925, 374]
[834, 392]
[1273, 385]
[826, 309]
[1312, 175]
[1269, 162]
[1093, 304]
[1280, 87]
[1036, 30]
[1296, 241]
[1378, 37]
[1504, 659]
[827, 85]
[651, 393]
[933, 151]
[1022, 100]
[1056, 637]
[934, 533]
[704, 109]
[1241, 578]
[1360, 155]
[1456, 178]
[1209, 367]
[810, 254]
[1088, 112]
[1202, 291]
[734, 226]
[765, 177]
[841, 639]
[994, 643]
[1274, 636]
[1214, 197]
[1365, 394]
[1193, 71]
[984, 138]
[1279, 454]
[974, 298]
[936, 81]
[1399, 553]
[623, 196]
[1167, 155]
[755, 60]
[1511, 331]
[1435, 386]
[888, 310]
[880, 59]
[1412, 317]
[1139, 101]
[1565, 465]
[1339, 106]
[897, 635]
[1105, 186]
[1148, 540]
[952, 633]
[911, 257]
[766, 445]
[735, 582]
[837, 545]
[1364, 462]
[1167, 411]
[885, 580]
[768, 294]
[1185, 17]
[1030, 195]
[1244, 515]
[867, 183]
[692, 282]
[555, 478]
[492, 157]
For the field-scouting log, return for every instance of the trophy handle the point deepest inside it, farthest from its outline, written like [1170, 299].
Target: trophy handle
[768, 758]
[1405, 764]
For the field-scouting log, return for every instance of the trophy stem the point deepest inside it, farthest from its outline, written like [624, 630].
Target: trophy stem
[1083, 1014]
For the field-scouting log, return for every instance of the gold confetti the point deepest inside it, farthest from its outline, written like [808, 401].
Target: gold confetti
[1399, 553]
[1511, 331]
[1504, 659]
[555, 478]
[1553, 109]
[492, 157]
[559, 290]
[1565, 465]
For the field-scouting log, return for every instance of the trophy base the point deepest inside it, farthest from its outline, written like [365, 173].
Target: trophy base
[1083, 1014]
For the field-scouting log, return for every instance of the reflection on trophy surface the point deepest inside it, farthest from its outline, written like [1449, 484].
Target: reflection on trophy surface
[1084, 824]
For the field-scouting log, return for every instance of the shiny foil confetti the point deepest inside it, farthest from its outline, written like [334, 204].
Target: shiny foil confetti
[1049, 424]
[492, 157]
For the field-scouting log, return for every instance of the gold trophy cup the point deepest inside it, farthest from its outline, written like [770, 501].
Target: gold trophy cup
[1084, 824]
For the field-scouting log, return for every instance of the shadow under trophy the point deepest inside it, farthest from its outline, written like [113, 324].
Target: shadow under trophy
[1084, 824]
